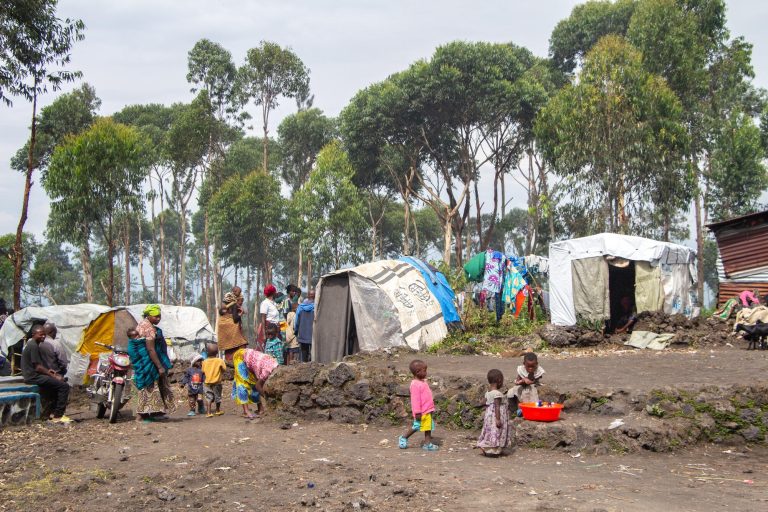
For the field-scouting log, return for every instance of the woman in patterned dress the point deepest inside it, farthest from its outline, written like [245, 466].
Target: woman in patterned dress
[150, 362]
[252, 369]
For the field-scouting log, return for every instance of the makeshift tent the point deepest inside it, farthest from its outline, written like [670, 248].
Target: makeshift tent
[589, 276]
[80, 326]
[439, 287]
[373, 306]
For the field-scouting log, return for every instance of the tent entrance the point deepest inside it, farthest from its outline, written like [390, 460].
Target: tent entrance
[335, 331]
[621, 283]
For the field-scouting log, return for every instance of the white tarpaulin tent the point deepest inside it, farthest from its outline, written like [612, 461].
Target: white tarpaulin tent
[373, 306]
[187, 328]
[665, 276]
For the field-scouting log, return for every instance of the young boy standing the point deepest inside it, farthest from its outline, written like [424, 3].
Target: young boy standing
[213, 366]
[422, 406]
[193, 381]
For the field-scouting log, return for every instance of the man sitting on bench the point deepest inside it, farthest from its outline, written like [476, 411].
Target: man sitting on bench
[49, 382]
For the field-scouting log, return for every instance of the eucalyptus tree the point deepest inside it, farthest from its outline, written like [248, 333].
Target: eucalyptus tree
[187, 147]
[154, 121]
[327, 213]
[92, 180]
[271, 72]
[610, 132]
[69, 114]
[36, 48]
[301, 136]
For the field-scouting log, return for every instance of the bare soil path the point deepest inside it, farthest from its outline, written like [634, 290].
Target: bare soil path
[637, 370]
[229, 463]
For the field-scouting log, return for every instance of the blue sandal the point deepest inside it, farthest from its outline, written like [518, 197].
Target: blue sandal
[431, 447]
[402, 443]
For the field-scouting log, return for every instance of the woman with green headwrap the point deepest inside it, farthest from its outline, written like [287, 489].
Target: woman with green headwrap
[150, 362]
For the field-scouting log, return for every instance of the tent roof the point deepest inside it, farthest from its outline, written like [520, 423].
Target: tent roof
[177, 322]
[623, 246]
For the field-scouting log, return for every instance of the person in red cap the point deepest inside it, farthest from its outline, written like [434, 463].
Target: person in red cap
[268, 312]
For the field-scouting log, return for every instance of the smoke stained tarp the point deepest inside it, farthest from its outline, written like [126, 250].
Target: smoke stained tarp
[376, 305]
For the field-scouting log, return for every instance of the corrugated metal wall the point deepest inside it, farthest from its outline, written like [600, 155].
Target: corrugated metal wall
[743, 249]
[730, 290]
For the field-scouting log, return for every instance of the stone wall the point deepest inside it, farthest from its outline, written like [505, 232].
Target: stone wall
[662, 420]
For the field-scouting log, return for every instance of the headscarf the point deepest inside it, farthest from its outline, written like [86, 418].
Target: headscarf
[152, 310]
[269, 290]
[229, 299]
[195, 358]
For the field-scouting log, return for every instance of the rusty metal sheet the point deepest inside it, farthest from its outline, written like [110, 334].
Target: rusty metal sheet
[732, 290]
[743, 249]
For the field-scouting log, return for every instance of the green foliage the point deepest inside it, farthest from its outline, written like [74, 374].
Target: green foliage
[738, 175]
[92, 179]
[271, 72]
[482, 333]
[30, 247]
[34, 40]
[245, 217]
[69, 114]
[211, 68]
[54, 279]
[574, 36]
[302, 135]
[327, 211]
[612, 134]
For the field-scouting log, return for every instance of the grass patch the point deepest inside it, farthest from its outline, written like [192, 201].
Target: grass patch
[483, 334]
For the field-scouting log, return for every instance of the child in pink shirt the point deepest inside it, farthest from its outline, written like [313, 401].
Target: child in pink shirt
[422, 406]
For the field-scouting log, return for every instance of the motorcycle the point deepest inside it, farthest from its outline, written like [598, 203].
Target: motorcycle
[109, 383]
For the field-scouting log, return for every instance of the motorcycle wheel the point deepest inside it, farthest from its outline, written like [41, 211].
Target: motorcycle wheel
[101, 410]
[117, 399]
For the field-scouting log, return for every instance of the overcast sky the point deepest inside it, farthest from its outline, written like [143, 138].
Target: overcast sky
[136, 52]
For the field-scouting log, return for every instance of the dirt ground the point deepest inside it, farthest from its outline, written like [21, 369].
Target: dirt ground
[277, 463]
[600, 369]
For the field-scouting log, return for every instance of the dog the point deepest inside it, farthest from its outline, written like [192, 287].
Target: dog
[755, 334]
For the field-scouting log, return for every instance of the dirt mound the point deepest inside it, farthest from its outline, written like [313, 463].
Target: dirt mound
[697, 332]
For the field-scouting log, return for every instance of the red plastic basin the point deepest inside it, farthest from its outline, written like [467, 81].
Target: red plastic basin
[544, 413]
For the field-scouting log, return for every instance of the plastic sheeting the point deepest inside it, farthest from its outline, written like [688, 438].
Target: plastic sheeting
[649, 295]
[680, 260]
[403, 292]
[438, 285]
[377, 327]
[186, 327]
[590, 288]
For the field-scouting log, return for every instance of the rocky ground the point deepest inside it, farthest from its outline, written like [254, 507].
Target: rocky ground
[683, 442]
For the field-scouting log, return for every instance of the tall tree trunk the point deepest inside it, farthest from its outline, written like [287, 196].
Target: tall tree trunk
[110, 290]
[182, 254]
[127, 255]
[447, 234]
[207, 268]
[503, 197]
[18, 247]
[85, 260]
[265, 142]
[154, 252]
[163, 262]
[301, 264]
[478, 218]
[699, 242]
[406, 224]
[216, 278]
[309, 272]
[141, 258]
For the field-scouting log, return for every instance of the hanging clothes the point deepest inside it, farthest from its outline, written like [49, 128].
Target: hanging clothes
[513, 283]
[475, 268]
[493, 277]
